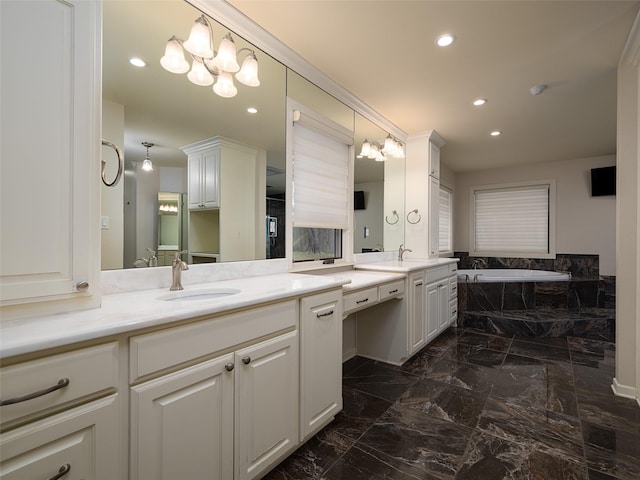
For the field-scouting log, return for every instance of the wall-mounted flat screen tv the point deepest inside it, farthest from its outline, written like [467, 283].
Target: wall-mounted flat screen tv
[358, 200]
[603, 181]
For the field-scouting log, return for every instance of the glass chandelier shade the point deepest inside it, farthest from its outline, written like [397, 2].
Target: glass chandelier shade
[208, 64]
[173, 59]
[199, 42]
[224, 86]
[147, 166]
[392, 148]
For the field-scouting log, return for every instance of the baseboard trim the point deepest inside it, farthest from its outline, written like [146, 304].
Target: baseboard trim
[625, 391]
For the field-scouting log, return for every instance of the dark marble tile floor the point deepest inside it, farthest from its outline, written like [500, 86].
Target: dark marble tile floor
[476, 406]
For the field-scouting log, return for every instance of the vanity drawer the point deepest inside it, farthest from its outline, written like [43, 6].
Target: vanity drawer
[391, 290]
[66, 377]
[437, 274]
[167, 348]
[453, 287]
[453, 269]
[453, 309]
[361, 299]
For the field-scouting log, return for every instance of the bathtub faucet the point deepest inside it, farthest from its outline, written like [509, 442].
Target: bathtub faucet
[479, 261]
[401, 251]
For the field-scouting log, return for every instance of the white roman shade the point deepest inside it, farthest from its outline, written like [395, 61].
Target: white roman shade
[445, 243]
[320, 174]
[512, 220]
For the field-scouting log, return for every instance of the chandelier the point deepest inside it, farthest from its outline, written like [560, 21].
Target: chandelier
[392, 148]
[209, 66]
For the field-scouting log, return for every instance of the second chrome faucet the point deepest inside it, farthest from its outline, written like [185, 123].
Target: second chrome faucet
[401, 252]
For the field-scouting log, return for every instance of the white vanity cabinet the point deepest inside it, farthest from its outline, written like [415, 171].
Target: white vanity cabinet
[416, 320]
[231, 416]
[203, 182]
[61, 413]
[50, 151]
[453, 292]
[321, 360]
[438, 301]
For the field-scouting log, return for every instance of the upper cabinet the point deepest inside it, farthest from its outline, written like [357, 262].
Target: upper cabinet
[204, 179]
[422, 194]
[50, 131]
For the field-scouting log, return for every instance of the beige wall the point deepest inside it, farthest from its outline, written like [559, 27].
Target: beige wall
[584, 224]
[371, 217]
[627, 381]
[111, 197]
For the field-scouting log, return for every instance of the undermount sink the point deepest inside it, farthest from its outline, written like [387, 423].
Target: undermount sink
[193, 295]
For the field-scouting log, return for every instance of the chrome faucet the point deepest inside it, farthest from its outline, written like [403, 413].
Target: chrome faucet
[176, 271]
[479, 261]
[401, 251]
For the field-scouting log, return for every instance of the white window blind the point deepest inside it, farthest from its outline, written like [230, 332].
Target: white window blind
[512, 219]
[320, 179]
[445, 221]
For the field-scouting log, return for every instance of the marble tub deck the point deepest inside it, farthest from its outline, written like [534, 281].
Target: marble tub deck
[477, 406]
[590, 322]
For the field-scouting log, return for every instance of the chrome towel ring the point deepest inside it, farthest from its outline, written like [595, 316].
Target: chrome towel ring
[415, 212]
[395, 214]
[120, 164]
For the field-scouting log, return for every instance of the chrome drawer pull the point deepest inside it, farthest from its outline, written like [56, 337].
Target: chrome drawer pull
[327, 314]
[364, 300]
[229, 367]
[63, 382]
[393, 291]
[246, 360]
[64, 469]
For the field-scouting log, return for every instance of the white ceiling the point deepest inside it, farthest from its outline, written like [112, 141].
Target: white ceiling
[384, 53]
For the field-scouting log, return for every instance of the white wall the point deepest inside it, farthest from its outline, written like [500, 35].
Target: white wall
[112, 245]
[584, 224]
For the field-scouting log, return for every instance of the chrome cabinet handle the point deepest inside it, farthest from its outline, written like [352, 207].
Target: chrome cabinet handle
[327, 314]
[229, 367]
[63, 382]
[82, 286]
[246, 360]
[393, 291]
[64, 469]
[364, 300]
[120, 155]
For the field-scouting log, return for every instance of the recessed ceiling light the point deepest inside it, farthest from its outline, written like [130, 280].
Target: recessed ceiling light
[137, 62]
[445, 40]
[479, 101]
[495, 133]
[252, 110]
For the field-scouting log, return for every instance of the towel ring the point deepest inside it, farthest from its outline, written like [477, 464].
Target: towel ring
[395, 214]
[120, 164]
[416, 212]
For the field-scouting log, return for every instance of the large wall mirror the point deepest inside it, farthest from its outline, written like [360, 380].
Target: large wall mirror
[378, 193]
[150, 104]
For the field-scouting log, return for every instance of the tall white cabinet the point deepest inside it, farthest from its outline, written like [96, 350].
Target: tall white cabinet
[423, 169]
[49, 156]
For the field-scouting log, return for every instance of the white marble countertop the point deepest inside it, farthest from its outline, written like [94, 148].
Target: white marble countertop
[405, 266]
[362, 279]
[127, 312]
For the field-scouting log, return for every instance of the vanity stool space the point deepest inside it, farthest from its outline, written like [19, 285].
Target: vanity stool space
[224, 391]
[392, 332]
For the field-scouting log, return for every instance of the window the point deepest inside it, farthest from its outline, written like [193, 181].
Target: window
[445, 243]
[515, 220]
[322, 197]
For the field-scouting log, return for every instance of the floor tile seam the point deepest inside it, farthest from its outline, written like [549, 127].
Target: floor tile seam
[379, 458]
[325, 470]
[540, 358]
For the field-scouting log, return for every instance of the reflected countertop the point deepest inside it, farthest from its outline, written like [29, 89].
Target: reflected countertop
[406, 266]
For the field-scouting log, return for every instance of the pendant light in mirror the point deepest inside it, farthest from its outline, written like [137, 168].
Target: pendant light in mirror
[209, 66]
[147, 166]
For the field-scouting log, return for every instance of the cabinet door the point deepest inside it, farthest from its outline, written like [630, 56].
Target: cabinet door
[182, 424]
[82, 441]
[194, 182]
[444, 307]
[321, 362]
[266, 400]
[433, 310]
[417, 321]
[434, 160]
[211, 178]
[434, 217]
[50, 130]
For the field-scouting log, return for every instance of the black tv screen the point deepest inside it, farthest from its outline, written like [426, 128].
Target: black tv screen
[358, 200]
[603, 181]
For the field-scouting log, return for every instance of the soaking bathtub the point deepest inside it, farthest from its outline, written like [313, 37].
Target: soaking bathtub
[506, 275]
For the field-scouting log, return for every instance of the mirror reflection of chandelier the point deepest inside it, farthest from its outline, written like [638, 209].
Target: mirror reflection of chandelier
[207, 64]
[392, 148]
[147, 166]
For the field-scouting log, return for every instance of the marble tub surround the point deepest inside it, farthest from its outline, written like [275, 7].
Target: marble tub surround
[481, 407]
[579, 265]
